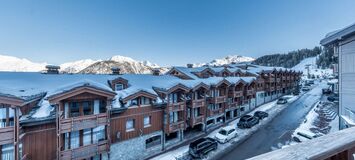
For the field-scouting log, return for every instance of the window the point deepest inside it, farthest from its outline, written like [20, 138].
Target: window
[173, 98]
[87, 107]
[74, 109]
[150, 142]
[197, 112]
[173, 117]
[99, 134]
[66, 141]
[74, 139]
[87, 136]
[7, 152]
[7, 116]
[147, 122]
[130, 125]
[118, 87]
[133, 102]
[144, 101]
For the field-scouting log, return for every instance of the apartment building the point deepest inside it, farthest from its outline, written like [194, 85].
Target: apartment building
[342, 42]
[62, 116]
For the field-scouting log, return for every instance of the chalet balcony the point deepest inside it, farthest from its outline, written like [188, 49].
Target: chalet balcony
[272, 88]
[283, 85]
[85, 151]
[83, 122]
[6, 135]
[173, 127]
[215, 112]
[238, 93]
[271, 80]
[219, 99]
[250, 92]
[232, 105]
[179, 106]
[197, 120]
[278, 80]
[198, 103]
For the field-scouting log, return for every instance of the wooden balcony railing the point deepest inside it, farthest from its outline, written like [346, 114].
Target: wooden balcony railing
[250, 92]
[6, 135]
[197, 120]
[85, 151]
[219, 99]
[215, 112]
[83, 122]
[176, 126]
[238, 93]
[176, 106]
[198, 103]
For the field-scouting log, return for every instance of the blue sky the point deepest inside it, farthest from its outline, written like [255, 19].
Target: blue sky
[173, 32]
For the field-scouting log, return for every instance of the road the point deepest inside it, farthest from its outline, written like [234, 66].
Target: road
[279, 130]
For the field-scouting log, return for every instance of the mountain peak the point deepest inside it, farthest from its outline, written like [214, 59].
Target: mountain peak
[227, 60]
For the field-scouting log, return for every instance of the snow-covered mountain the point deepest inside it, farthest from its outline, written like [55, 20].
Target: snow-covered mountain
[14, 64]
[310, 64]
[127, 65]
[77, 66]
[226, 60]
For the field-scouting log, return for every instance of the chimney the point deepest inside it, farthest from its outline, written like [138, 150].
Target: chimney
[52, 69]
[156, 72]
[116, 70]
[190, 65]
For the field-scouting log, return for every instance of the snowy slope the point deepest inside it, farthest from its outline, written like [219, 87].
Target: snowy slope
[227, 60]
[76, 66]
[9, 63]
[313, 70]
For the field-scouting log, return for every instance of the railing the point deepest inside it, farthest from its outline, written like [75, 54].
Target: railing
[83, 122]
[197, 120]
[198, 103]
[176, 126]
[85, 151]
[250, 92]
[6, 135]
[215, 112]
[26, 157]
[337, 145]
[238, 93]
[219, 99]
[176, 106]
[278, 80]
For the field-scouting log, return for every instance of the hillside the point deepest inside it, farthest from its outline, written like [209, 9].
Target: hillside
[311, 64]
[288, 60]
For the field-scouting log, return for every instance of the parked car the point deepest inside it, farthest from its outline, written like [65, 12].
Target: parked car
[247, 121]
[333, 98]
[326, 91]
[202, 146]
[306, 88]
[226, 134]
[261, 114]
[281, 101]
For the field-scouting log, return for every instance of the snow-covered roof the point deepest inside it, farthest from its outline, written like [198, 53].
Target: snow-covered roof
[338, 35]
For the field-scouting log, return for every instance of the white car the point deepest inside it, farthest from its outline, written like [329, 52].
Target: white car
[226, 134]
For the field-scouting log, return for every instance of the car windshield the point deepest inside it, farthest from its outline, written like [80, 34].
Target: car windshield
[223, 132]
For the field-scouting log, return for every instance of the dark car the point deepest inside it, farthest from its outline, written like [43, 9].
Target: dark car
[261, 114]
[281, 101]
[306, 88]
[333, 98]
[202, 146]
[326, 91]
[247, 121]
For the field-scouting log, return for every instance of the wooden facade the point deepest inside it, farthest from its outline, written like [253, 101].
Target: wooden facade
[82, 111]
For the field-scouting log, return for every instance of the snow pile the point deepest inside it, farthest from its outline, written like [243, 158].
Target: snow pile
[313, 70]
[226, 60]
[44, 110]
[9, 63]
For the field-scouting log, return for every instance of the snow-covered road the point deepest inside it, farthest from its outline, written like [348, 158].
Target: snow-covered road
[272, 108]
